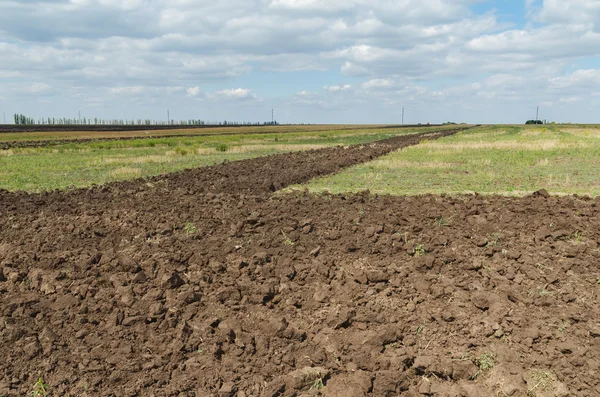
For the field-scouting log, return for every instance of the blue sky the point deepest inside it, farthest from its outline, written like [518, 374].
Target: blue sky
[319, 61]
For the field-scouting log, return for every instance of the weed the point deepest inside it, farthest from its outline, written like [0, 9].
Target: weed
[544, 381]
[544, 292]
[317, 384]
[441, 221]
[222, 147]
[190, 228]
[286, 239]
[598, 280]
[485, 362]
[577, 237]
[563, 327]
[421, 328]
[40, 388]
[493, 240]
[419, 250]
[201, 350]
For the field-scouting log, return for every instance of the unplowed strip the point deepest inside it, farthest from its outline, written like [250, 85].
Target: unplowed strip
[246, 131]
[255, 176]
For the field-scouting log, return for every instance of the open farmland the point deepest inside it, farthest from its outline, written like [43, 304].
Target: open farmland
[81, 159]
[203, 282]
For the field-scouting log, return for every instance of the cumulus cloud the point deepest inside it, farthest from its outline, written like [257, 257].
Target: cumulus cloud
[234, 94]
[377, 84]
[412, 51]
[337, 88]
[193, 91]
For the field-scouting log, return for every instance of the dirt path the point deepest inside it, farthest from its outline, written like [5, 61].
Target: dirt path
[186, 286]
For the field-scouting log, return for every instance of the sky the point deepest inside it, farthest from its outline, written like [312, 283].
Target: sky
[312, 61]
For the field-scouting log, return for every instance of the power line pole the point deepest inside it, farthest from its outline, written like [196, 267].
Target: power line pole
[79, 114]
[537, 114]
[402, 115]
[168, 117]
[272, 116]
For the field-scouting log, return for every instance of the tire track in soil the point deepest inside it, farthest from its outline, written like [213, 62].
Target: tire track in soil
[188, 287]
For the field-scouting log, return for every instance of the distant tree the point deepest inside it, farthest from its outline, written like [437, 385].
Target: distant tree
[534, 122]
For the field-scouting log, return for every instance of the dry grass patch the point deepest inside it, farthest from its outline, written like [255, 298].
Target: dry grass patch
[397, 163]
[543, 162]
[126, 172]
[582, 132]
[137, 160]
[6, 153]
[503, 145]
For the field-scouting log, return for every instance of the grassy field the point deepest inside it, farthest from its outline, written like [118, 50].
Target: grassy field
[83, 164]
[509, 160]
[62, 135]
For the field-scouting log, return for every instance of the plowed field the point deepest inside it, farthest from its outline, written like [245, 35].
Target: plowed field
[205, 283]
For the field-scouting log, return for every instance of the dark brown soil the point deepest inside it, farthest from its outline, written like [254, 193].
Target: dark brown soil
[203, 283]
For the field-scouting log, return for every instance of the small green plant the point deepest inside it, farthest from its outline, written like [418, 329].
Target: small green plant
[286, 239]
[222, 147]
[563, 327]
[421, 328]
[201, 350]
[577, 237]
[598, 280]
[190, 228]
[40, 388]
[485, 362]
[419, 250]
[317, 384]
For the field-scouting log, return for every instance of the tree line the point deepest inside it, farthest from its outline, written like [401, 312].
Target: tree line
[21, 119]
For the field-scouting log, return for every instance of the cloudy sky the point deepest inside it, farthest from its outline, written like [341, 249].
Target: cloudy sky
[319, 61]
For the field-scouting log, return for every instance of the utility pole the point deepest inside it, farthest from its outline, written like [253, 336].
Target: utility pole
[537, 114]
[168, 117]
[4, 114]
[272, 116]
[402, 115]
[79, 114]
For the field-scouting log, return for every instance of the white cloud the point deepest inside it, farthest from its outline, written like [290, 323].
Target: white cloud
[393, 52]
[38, 88]
[337, 88]
[234, 94]
[193, 91]
[377, 84]
[127, 90]
[567, 11]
